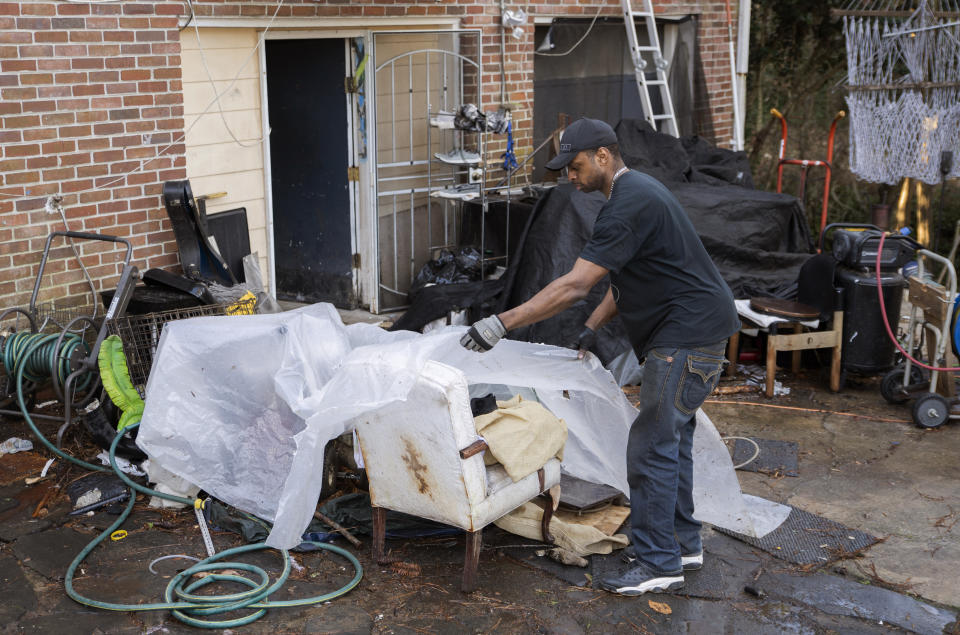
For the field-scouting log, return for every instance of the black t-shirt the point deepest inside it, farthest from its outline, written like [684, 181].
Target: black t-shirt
[668, 291]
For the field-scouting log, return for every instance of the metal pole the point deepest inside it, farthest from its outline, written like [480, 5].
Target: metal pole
[737, 139]
[743, 59]
[396, 254]
[429, 162]
[413, 237]
[393, 111]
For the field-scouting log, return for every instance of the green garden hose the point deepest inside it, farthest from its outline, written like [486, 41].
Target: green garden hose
[25, 356]
[27, 359]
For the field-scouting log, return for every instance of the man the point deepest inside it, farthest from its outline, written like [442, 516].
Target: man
[678, 313]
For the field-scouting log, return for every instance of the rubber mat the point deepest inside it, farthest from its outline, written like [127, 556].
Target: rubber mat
[776, 457]
[806, 538]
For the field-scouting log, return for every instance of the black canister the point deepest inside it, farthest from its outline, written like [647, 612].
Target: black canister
[867, 349]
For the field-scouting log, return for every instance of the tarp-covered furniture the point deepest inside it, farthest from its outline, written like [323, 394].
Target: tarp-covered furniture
[418, 462]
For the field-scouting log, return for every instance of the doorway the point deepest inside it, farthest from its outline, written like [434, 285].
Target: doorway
[309, 159]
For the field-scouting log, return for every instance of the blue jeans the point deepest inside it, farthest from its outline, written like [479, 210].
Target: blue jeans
[659, 453]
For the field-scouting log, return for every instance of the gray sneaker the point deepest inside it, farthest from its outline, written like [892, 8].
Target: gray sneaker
[689, 562]
[639, 580]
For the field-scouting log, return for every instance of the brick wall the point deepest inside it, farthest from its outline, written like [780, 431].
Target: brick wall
[91, 108]
[87, 93]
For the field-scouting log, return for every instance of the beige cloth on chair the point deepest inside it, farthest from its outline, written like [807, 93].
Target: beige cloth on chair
[522, 436]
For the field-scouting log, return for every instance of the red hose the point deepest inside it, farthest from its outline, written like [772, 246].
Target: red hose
[886, 322]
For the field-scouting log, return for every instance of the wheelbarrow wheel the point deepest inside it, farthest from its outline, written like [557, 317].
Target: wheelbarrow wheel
[892, 382]
[931, 411]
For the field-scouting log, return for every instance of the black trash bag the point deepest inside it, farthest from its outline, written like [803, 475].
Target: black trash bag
[102, 426]
[450, 267]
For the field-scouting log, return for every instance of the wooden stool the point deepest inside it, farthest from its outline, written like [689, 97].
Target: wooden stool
[793, 313]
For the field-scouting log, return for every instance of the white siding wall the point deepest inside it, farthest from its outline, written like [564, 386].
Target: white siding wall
[215, 162]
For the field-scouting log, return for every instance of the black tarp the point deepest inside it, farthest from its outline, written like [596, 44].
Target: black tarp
[757, 239]
[559, 227]
[436, 301]
[689, 159]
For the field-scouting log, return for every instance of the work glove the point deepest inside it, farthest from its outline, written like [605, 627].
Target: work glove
[585, 341]
[483, 334]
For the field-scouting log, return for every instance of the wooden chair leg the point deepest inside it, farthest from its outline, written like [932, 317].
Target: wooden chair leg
[379, 535]
[837, 349]
[795, 356]
[471, 560]
[733, 353]
[771, 363]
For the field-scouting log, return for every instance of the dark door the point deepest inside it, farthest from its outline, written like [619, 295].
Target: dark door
[308, 165]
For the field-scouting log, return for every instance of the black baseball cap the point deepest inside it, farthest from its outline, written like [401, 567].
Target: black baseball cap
[582, 134]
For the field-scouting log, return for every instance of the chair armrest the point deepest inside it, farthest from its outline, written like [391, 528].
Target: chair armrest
[473, 449]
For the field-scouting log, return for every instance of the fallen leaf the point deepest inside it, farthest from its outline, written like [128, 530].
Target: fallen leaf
[660, 607]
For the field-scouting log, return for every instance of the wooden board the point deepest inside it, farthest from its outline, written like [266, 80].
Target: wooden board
[931, 299]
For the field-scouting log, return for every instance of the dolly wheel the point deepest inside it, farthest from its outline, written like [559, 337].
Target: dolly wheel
[931, 411]
[892, 383]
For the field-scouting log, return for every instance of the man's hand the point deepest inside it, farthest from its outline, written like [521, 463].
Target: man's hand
[483, 334]
[585, 341]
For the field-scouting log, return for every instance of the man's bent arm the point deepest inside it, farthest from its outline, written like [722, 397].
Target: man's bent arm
[605, 311]
[556, 296]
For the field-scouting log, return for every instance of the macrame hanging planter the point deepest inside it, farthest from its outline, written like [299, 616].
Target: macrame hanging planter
[903, 77]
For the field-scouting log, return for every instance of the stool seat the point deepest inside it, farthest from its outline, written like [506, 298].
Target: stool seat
[784, 308]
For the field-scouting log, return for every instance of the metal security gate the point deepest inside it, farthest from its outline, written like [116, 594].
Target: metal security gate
[418, 75]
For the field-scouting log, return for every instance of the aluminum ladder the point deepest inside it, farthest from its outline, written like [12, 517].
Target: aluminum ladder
[666, 122]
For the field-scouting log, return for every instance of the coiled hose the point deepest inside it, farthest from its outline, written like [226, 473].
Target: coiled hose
[36, 357]
[42, 358]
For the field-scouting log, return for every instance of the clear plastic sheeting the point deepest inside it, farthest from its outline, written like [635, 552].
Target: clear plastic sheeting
[243, 407]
